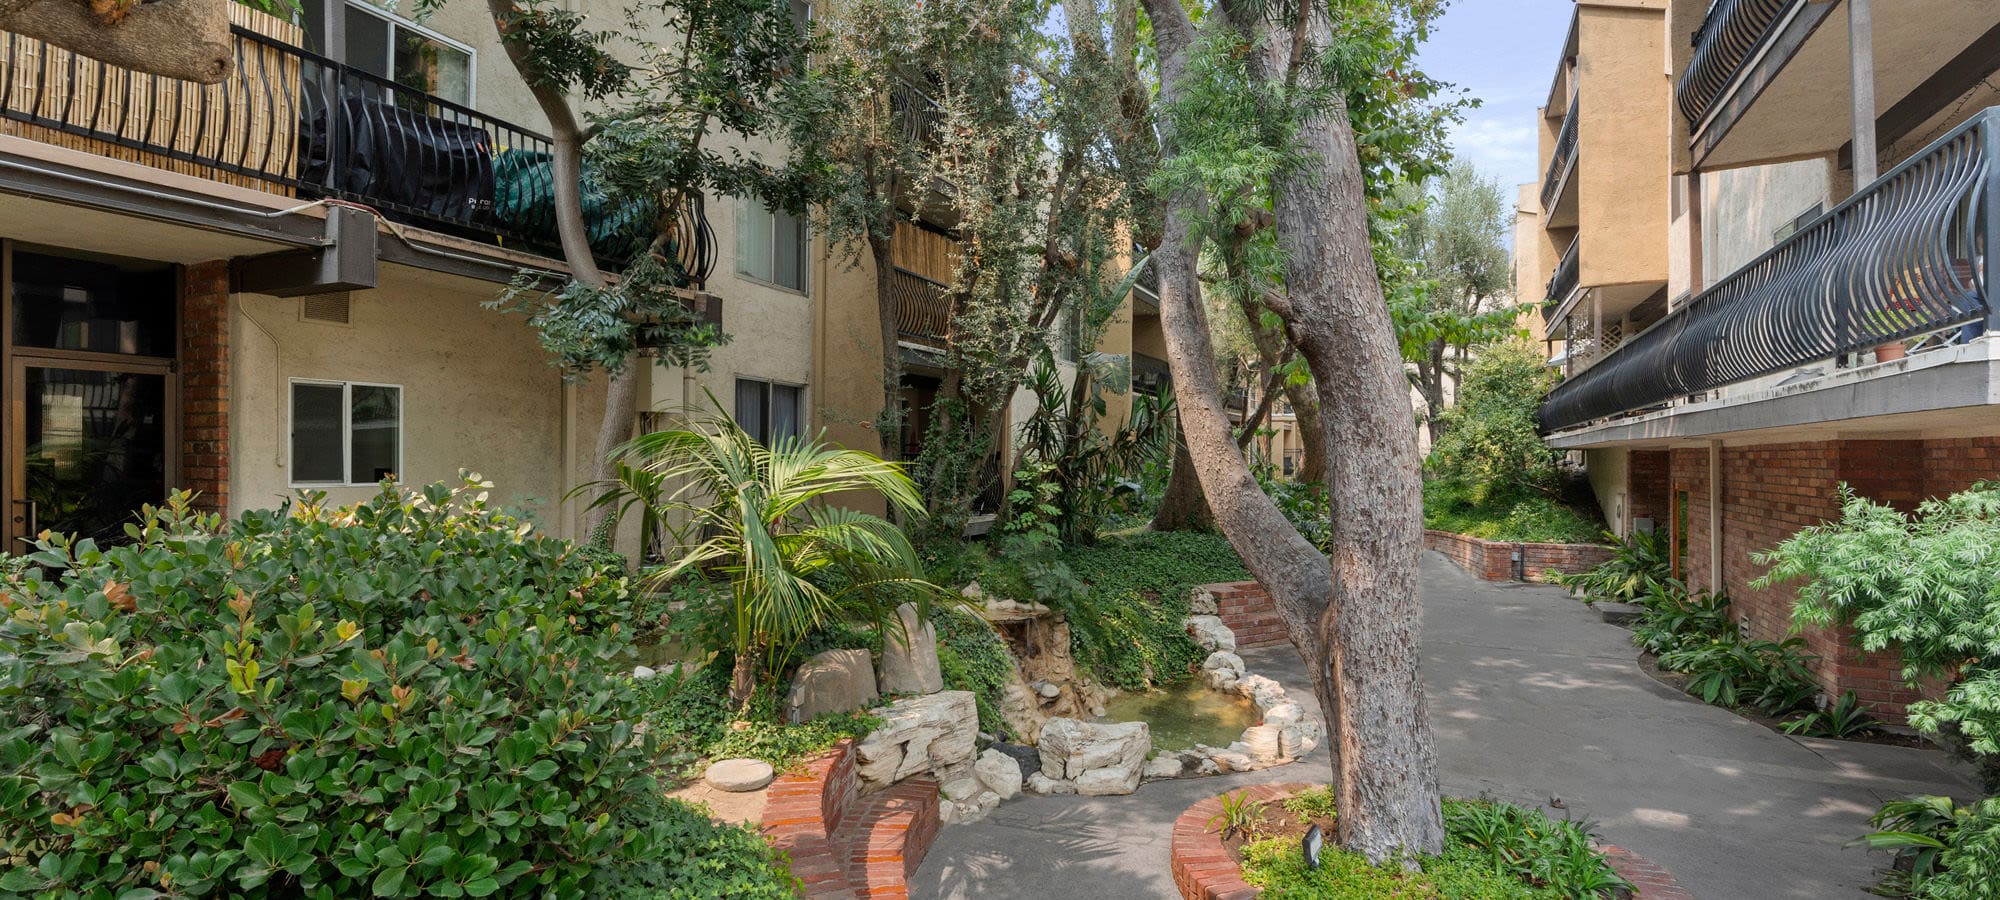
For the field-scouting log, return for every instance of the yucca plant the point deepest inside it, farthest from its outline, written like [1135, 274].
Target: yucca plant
[762, 519]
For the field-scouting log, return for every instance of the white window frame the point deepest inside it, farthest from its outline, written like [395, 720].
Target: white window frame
[397, 21]
[346, 430]
[805, 252]
[805, 404]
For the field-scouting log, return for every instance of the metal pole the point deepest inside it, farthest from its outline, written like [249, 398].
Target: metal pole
[1861, 57]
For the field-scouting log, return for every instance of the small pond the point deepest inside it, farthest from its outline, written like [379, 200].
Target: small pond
[1186, 714]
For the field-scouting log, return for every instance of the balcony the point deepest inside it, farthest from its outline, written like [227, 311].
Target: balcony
[1562, 285]
[1557, 208]
[1900, 265]
[1769, 80]
[1729, 36]
[923, 308]
[296, 124]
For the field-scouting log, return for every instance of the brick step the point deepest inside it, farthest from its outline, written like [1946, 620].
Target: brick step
[884, 837]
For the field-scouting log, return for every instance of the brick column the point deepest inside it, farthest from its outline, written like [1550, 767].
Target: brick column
[204, 367]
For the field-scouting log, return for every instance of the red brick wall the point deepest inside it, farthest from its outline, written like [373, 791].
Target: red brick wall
[1247, 609]
[1771, 491]
[1494, 560]
[205, 383]
[1952, 465]
[1649, 474]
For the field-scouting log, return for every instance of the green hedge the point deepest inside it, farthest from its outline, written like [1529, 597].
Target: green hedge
[414, 697]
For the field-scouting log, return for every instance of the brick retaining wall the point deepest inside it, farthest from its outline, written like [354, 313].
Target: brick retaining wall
[1247, 609]
[1494, 560]
[1204, 870]
[843, 846]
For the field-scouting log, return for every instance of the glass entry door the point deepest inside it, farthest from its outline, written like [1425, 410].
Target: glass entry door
[88, 445]
[88, 395]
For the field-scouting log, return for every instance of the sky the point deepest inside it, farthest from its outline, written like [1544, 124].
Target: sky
[1505, 53]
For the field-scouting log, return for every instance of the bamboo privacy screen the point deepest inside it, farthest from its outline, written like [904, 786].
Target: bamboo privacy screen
[232, 132]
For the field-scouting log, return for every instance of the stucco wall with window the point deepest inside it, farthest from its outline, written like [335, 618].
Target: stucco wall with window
[477, 390]
[1745, 210]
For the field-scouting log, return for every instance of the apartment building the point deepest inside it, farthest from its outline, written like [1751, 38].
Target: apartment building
[277, 282]
[1819, 206]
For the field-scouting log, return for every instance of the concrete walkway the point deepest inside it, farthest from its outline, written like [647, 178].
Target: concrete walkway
[1532, 697]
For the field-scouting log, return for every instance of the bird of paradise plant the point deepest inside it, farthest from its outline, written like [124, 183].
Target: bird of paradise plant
[761, 518]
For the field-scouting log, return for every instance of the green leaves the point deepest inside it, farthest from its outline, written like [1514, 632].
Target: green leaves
[224, 749]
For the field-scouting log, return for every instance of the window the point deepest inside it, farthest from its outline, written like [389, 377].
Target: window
[770, 246]
[768, 411]
[383, 44]
[345, 432]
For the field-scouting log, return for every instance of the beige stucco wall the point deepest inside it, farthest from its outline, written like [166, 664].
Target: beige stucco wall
[1531, 269]
[1623, 103]
[478, 391]
[1742, 209]
[1607, 469]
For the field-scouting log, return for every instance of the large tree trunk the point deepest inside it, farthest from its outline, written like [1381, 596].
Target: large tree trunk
[1183, 507]
[1388, 788]
[566, 138]
[184, 39]
[890, 423]
[1291, 569]
[1430, 377]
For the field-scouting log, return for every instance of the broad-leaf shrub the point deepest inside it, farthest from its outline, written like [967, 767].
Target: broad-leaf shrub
[1943, 851]
[406, 698]
[1926, 584]
[1490, 474]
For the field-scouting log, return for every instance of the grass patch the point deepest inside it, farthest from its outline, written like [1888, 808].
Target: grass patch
[1493, 851]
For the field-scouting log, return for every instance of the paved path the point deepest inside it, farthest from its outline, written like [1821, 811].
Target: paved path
[1532, 697]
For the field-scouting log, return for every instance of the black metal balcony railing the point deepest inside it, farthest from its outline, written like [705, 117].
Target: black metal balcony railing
[1562, 283]
[294, 122]
[1906, 256]
[1729, 36]
[923, 307]
[1560, 162]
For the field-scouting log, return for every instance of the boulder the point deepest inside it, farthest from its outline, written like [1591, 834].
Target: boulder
[641, 673]
[1211, 634]
[1101, 758]
[1284, 715]
[1262, 742]
[1027, 758]
[1201, 601]
[1164, 766]
[1223, 660]
[831, 682]
[999, 773]
[910, 655]
[961, 789]
[936, 733]
[1107, 782]
[739, 775]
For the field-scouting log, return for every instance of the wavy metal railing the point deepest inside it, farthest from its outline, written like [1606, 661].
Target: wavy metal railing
[1560, 162]
[1904, 257]
[923, 308]
[1562, 283]
[1728, 37]
[292, 121]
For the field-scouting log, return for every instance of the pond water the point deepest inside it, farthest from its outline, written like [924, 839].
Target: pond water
[1185, 714]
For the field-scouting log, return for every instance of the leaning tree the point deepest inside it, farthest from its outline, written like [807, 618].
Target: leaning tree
[1260, 108]
[657, 95]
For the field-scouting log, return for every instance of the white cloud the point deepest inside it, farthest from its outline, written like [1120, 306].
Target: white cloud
[1502, 143]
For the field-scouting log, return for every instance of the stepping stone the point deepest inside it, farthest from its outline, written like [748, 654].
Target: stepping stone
[739, 775]
[1620, 614]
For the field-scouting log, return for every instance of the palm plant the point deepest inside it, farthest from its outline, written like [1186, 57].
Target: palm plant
[758, 517]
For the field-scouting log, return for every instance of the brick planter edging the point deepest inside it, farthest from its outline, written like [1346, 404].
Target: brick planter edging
[1204, 870]
[1494, 560]
[843, 845]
